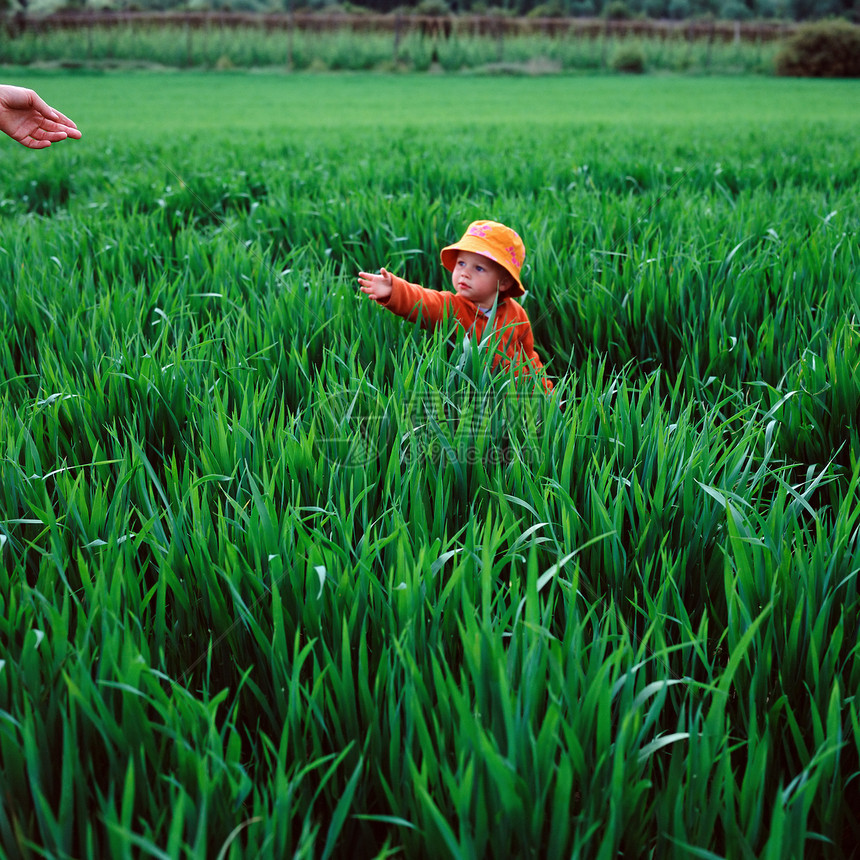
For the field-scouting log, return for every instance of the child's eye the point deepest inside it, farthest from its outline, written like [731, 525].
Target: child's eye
[480, 268]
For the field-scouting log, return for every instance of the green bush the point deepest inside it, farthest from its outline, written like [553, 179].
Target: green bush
[824, 49]
[735, 10]
[617, 10]
[628, 59]
[679, 9]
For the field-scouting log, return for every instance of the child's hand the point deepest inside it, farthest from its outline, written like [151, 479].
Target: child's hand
[378, 287]
[25, 117]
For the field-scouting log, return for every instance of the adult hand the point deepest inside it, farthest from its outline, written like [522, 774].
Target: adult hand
[27, 118]
[378, 287]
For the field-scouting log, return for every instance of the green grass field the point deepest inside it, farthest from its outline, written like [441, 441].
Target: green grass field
[268, 107]
[282, 575]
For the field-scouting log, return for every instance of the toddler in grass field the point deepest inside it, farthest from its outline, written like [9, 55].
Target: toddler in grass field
[485, 270]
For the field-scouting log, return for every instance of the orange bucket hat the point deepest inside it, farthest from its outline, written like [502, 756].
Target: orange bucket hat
[495, 241]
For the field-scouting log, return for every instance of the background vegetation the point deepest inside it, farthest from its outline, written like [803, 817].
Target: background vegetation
[345, 50]
[429, 42]
[283, 576]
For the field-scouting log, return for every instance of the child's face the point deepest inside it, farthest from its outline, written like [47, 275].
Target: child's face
[478, 279]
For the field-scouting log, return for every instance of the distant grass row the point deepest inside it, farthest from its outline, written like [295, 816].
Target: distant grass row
[343, 50]
[281, 575]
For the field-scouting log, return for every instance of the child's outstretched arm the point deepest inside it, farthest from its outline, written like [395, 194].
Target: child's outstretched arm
[378, 287]
[410, 301]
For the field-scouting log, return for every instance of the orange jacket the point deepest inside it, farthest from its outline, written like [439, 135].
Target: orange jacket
[431, 308]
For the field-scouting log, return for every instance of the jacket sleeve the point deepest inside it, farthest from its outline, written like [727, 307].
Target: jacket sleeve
[418, 304]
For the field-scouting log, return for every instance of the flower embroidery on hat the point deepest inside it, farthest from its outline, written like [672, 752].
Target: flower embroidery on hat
[513, 252]
[479, 230]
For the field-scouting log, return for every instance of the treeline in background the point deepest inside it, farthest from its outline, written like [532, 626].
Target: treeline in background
[740, 10]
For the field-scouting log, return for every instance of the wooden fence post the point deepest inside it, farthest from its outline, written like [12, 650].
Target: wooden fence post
[290, 28]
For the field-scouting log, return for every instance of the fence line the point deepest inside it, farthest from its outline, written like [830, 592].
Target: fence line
[432, 26]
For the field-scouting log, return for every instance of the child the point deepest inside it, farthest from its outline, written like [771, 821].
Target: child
[485, 270]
